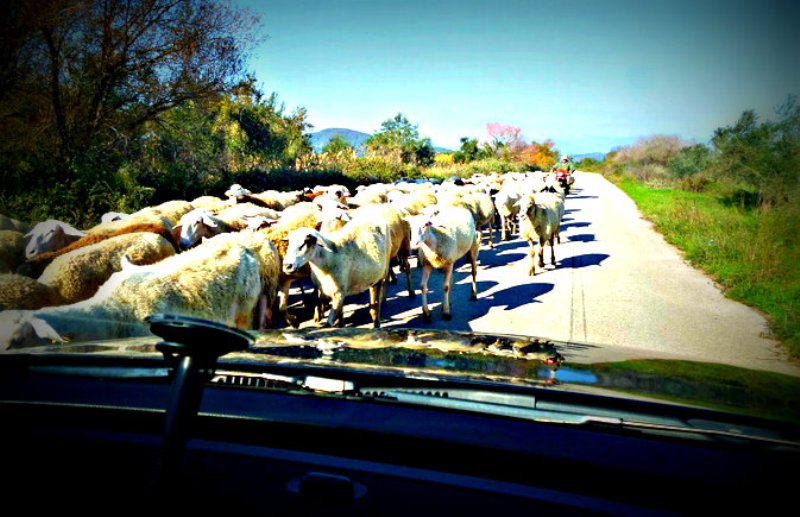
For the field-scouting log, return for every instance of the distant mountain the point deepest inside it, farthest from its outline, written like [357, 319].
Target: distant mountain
[594, 156]
[442, 150]
[355, 138]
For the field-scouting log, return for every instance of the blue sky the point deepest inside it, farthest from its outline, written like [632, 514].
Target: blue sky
[591, 75]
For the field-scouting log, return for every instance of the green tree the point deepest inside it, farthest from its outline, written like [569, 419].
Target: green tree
[337, 145]
[469, 151]
[764, 156]
[399, 139]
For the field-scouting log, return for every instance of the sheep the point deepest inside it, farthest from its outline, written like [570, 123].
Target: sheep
[370, 195]
[413, 203]
[441, 241]
[277, 200]
[300, 215]
[195, 225]
[142, 221]
[50, 235]
[12, 250]
[540, 220]
[401, 240]
[172, 211]
[78, 275]
[7, 223]
[269, 265]
[346, 262]
[212, 203]
[22, 292]
[507, 208]
[113, 216]
[217, 282]
[479, 204]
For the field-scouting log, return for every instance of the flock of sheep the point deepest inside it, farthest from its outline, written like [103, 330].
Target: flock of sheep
[233, 260]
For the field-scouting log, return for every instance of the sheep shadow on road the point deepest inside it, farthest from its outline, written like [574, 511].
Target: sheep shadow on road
[582, 237]
[585, 260]
[578, 224]
[465, 311]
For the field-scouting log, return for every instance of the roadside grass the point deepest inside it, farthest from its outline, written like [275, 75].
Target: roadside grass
[754, 254]
[731, 388]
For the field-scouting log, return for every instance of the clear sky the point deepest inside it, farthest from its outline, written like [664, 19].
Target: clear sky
[591, 75]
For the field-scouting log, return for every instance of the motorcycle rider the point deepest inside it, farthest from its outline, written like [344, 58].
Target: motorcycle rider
[563, 171]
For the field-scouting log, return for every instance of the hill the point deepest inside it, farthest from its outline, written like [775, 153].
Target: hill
[594, 156]
[355, 138]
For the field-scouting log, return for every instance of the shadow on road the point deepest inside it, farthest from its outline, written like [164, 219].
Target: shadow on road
[465, 311]
[582, 237]
[579, 224]
[586, 260]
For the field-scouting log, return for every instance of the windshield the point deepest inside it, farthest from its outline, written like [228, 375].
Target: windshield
[562, 195]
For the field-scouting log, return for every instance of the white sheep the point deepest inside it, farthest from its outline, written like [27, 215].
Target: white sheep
[269, 265]
[50, 235]
[142, 221]
[441, 241]
[78, 275]
[277, 200]
[346, 262]
[218, 282]
[171, 211]
[414, 202]
[195, 225]
[479, 203]
[22, 292]
[300, 215]
[113, 216]
[12, 250]
[540, 221]
[507, 208]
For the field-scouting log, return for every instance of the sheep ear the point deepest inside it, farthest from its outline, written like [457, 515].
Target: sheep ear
[324, 245]
[208, 221]
[45, 331]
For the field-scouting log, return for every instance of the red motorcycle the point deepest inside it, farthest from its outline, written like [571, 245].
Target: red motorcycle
[563, 177]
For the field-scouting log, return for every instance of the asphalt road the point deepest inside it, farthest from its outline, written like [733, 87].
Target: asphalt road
[616, 281]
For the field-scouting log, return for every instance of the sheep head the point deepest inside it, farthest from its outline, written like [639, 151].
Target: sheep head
[50, 235]
[303, 245]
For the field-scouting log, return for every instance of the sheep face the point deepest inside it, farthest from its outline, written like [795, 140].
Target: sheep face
[20, 329]
[303, 245]
[50, 235]
[194, 226]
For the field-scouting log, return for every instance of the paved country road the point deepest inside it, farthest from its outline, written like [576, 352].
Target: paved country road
[616, 282]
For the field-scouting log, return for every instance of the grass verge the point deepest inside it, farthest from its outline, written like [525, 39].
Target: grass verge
[752, 253]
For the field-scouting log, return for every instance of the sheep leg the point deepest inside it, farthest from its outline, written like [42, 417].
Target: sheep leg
[426, 273]
[541, 252]
[375, 297]
[337, 308]
[473, 259]
[407, 267]
[283, 297]
[447, 285]
[502, 227]
[532, 253]
[552, 251]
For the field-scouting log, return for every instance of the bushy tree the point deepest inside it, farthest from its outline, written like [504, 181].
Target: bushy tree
[469, 151]
[764, 156]
[399, 139]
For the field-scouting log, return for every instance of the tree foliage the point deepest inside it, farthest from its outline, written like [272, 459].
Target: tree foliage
[399, 139]
[764, 156]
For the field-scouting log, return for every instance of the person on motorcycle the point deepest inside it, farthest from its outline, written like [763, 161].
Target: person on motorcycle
[563, 171]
